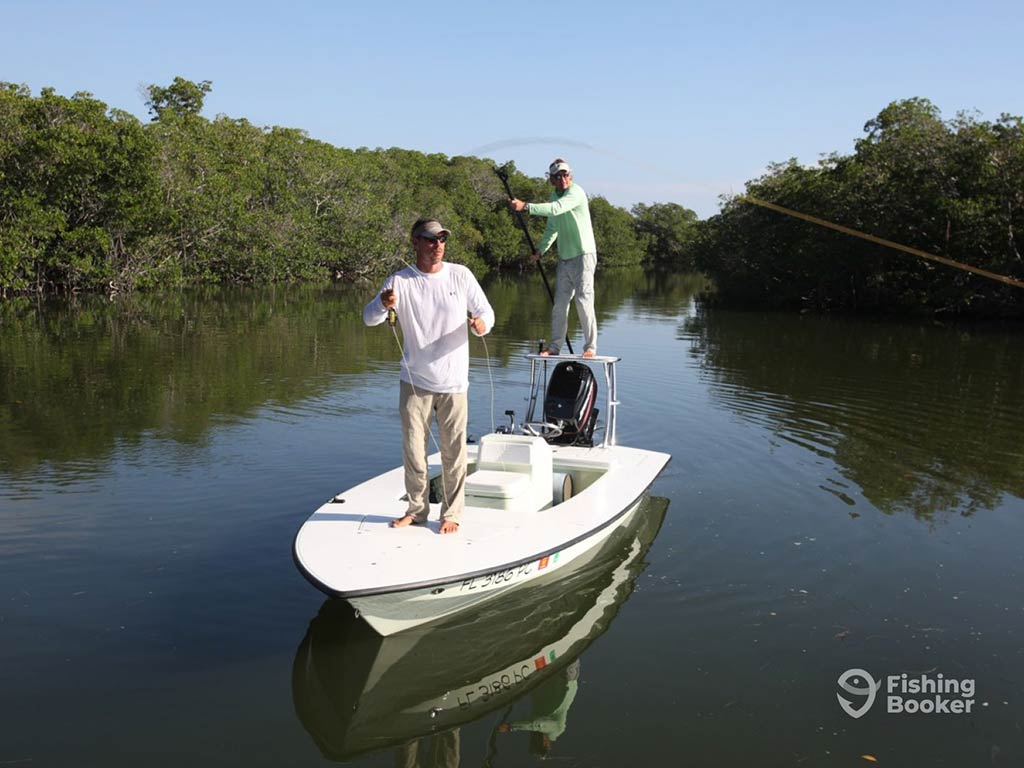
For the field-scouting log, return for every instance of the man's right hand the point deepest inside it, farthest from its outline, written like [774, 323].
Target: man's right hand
[388, 298]
[535, 256]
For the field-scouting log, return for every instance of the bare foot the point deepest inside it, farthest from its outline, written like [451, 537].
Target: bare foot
[588, 353]
[404, 521]
[449, 526]
[545, 352]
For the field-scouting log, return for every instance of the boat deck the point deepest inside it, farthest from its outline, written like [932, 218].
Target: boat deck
[348, 547]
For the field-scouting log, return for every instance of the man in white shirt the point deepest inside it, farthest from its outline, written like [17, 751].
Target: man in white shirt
[431, 301]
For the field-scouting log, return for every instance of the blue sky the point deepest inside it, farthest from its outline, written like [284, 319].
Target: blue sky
[649, 101]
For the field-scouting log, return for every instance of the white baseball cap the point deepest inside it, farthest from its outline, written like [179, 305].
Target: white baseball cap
[558, 165]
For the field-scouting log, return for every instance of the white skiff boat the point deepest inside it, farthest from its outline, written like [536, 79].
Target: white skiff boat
[535, 501]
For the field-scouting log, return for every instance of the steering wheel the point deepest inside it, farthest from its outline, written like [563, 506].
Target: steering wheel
[544, 429]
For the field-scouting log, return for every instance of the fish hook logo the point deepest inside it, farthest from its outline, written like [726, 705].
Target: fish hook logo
[868, 690]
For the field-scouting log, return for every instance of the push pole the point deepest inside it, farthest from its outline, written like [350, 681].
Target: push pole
[503, 175]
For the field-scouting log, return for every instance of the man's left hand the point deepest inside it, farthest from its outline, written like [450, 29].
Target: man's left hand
[478, 325]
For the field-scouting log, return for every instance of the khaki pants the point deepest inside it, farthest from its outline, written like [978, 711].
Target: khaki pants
[450, 408]
[575, 277]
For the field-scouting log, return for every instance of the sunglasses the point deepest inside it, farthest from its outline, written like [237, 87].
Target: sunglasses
[560, 175]
[432, 239]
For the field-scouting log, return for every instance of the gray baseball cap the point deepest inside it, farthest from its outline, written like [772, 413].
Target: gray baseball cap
[431, 228]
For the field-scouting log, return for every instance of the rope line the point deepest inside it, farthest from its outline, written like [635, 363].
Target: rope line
[882, 241]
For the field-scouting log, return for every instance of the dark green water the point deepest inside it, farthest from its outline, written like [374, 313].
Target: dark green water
[843, 494]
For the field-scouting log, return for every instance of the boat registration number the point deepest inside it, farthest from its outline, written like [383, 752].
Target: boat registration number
[508, 575]
[498, 578]
[502, 681]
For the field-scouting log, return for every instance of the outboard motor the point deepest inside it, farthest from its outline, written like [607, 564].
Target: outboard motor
[569, 403]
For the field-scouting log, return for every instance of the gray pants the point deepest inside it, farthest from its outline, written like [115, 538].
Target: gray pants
[450, 408]
[575, 278]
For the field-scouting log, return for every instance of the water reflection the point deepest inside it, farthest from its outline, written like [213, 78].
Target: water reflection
[81, 380]
[355, 691]
[920, 418]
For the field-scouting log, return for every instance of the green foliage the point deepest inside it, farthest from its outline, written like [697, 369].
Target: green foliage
[669, 234]
[76, 187]
[92, 199]
[615, 235]
[180, 98]
[952, 189]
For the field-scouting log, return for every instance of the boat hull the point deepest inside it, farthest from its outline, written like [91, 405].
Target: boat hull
[393, 612]
[401, 578]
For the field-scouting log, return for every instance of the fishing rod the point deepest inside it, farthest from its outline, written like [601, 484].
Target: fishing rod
[503, 175]
[882, 241]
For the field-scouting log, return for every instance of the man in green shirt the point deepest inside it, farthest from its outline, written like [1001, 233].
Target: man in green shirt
[568, 214]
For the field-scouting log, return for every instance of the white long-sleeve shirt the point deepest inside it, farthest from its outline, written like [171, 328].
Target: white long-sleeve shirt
[432, 311]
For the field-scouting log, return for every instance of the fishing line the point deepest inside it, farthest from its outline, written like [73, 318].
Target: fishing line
[511, 143]
[487, 358]
[392, 322]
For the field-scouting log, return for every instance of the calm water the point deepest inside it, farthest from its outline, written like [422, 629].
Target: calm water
[843, 494]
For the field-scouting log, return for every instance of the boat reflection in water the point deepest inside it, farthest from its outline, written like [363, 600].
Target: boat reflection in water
[356, 691]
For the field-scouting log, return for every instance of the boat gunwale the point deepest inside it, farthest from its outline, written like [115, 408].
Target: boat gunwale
[449, 579]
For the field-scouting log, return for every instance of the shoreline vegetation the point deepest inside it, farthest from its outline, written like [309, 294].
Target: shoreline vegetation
[94, 200]
[953, 189]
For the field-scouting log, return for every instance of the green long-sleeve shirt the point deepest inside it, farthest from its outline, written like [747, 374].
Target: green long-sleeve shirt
[568, 222]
